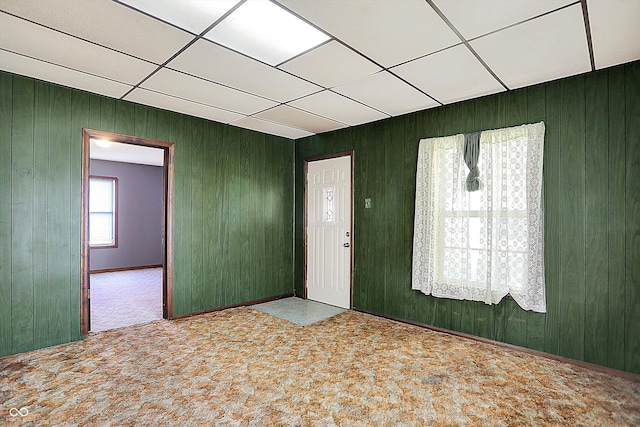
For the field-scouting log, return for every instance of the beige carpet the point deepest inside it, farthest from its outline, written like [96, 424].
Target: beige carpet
[243, 367]
[125, 298]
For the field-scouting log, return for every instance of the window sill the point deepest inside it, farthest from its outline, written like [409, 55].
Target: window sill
[103, 246]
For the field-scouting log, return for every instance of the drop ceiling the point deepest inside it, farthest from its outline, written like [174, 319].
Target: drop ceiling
[383, 58]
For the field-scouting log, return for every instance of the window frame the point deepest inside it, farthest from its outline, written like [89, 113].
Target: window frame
[114, 243]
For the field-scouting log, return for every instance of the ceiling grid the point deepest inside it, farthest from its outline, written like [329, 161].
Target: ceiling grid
[377, 59]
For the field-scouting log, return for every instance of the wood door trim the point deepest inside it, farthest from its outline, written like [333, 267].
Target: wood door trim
[167, 219]
[304, 219]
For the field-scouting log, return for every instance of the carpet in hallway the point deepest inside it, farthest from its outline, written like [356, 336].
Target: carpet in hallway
[125, 298]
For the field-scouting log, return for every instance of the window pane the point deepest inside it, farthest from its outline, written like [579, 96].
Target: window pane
[456, 266]
[509, 270]
[456, 232]
[477, 233]
[100, 228]
[101, 195]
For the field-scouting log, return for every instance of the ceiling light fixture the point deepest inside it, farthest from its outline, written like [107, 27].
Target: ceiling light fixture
[266, 32]
[102, 143]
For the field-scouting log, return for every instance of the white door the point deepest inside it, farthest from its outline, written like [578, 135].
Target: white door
[329, 231]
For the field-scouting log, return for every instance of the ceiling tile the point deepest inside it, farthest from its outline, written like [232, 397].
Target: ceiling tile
[20, 36]
[154, 99]
[388, 32]
[615, 31]
[271, 128]
[267, 32]
[299, 119]
[119, 27]
[192, 15]
[25, 66]
[474, 18]
[387, 93]
[337, 107]
[546, 48]
[450, 75]
[204, 58]
[331, 65]
[183, 86]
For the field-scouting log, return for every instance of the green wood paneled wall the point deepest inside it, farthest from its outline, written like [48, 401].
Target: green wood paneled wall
[592, 216]
[233, 208]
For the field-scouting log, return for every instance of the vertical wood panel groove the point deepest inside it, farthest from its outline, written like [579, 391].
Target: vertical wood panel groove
[40, 224]
[59, 214]
[632, 217]
[22, 310]
[196, 217]
[552, 247]
[572, 291]
[616, 221]
[80, 115]
[596, 249]
[6, 129]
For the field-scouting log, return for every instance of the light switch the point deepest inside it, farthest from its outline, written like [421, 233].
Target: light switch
[367, 203]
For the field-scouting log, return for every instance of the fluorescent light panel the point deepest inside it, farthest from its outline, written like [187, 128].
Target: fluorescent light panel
[192, 15]
[266, 32]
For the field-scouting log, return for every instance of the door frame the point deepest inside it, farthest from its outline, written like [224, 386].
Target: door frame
[167, 219]
[307, 160]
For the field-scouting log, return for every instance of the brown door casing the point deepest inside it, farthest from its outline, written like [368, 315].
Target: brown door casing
[167, 228]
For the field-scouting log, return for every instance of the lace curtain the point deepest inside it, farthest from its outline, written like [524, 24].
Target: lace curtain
[481, 245]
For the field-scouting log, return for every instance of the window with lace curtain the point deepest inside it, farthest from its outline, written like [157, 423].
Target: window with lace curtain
[478, 231]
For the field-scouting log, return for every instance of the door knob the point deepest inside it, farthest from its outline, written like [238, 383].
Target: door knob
[346, 245]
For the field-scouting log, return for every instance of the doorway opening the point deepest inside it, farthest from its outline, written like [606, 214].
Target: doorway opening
[328, 229]
[105, 237]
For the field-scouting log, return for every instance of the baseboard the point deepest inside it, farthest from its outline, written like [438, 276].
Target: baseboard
[113, 270]
[580, 363]
[244, 304]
